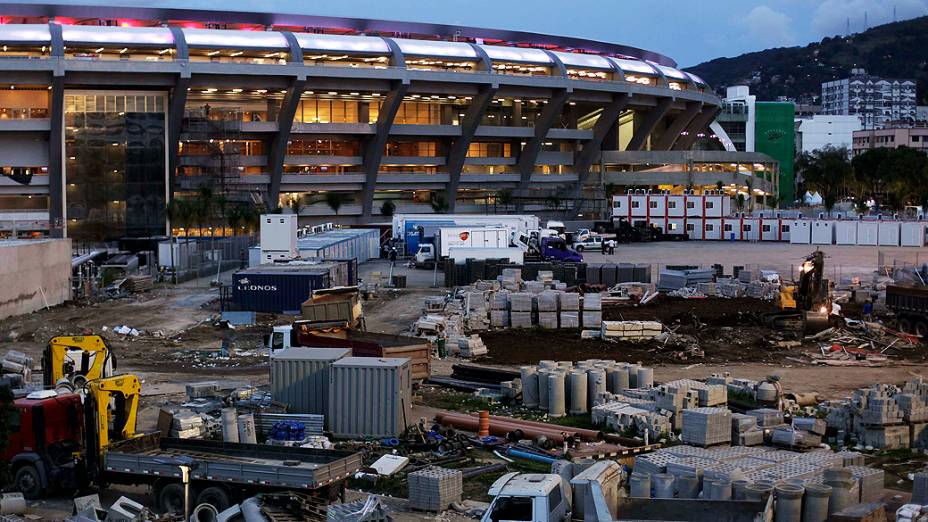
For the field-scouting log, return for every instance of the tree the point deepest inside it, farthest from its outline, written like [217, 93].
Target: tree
[335, 200]
[905, 169]
[388, 208]
[553, 202]
[296, 204]
[827, 172]
[869, 175]
[504, 198]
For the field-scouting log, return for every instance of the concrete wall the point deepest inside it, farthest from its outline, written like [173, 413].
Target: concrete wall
[33, 273]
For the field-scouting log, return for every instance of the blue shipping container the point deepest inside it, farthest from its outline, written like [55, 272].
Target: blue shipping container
[276, 291]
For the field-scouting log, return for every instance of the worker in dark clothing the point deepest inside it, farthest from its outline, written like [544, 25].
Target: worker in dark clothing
[393, 256]
[604, 247]
[868, 310]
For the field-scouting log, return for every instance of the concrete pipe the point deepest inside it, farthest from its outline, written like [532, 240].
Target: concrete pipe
[563, 468]
[529, 376]
[12, 504]
[229, 425]
[565, 365]
[547, 365]
[204, 513]
[738, 489]
[610, 371]
[663, 484]
[687, 487]
[815, 503]
[789, 503]
[578, 391]
[721, 489]
[556, 395]
[840, 495]
[708, 489]
[757, 492]
[645, 378]
[596, 381]
[619, 379]
[543, 388]
[639, 485]
[247, 433]
[633, 376]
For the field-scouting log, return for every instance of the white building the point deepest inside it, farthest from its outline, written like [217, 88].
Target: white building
[877, 101]
[821, 131]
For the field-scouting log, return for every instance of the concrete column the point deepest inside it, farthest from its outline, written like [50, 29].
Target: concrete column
[458, 152]
[592, 148]
[680, 122]
[789, 503]
[373, 152]
[815, 503]
[640, 138]
[699, 124]
[278, 148]
[543, 374]
[547, 118]
[517, 114]
[57, 227]
[176, 106]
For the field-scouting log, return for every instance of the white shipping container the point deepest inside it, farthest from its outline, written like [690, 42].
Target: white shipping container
[846, 232]
[731, 229]
[621, 206]
[868, 233]
[712, 228]
[639, 205]
[770, 229]
[695, 206]
[369, 397]
[676, 206]
[657, 205]
[470, 237]
[750, 229]
[823, 232]
[889, 233]
[717, 205]
[913, 234]
[696, 228]
[675, 226]
[800, 232]
[278, 232]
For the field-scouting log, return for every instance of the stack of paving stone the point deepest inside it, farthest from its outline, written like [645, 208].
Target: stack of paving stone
[706, 426]
[767, 417]
[630, 330]
[913, 407]
[499, 309]
[472, 346]
[520, 307]
[547, 309]
[744, 431]
[570, 309]
[793, 438]
[870, 481]
[434, 489]
[920, 488]
[879, 409]
[511, 278]
[592, 311]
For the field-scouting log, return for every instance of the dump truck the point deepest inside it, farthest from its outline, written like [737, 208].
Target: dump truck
[910, 304]
[595, 495]
[59, 444]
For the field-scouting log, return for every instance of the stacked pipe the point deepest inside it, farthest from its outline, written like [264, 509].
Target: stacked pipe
[578, 386]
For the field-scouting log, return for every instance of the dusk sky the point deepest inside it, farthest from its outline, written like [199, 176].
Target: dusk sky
[689, 32]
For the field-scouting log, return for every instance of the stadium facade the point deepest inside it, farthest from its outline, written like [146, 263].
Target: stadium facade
[106, 113]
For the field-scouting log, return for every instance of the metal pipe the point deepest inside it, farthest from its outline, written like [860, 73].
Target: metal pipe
[502, 428]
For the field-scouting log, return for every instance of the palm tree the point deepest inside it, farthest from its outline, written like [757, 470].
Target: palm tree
[439, 202]
[296, 204]
[504, 198]
[335, 200]
[388, 208]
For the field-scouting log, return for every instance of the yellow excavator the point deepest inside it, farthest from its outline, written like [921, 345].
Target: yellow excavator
[78, 358]
[805, 305]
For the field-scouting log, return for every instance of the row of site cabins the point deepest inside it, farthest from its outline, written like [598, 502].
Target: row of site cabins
[708, 217]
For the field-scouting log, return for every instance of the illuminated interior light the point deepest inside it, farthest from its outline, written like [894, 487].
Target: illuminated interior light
[212, 53]
[98, 50]
[237, 53]
[124, 50]
[164, 51]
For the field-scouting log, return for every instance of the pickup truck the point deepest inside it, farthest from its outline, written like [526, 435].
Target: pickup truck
[592, 243]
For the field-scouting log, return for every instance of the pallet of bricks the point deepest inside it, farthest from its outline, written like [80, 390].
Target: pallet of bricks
[878, 420]
[434, 489]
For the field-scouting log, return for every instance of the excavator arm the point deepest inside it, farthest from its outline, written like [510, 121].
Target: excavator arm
[78, 358]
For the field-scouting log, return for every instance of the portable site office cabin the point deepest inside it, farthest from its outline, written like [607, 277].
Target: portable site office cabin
[695, 228]
[731, 229]
[676, 206]
[823, 232]
[868, 233]
[750, 229]
[846, 232]
[716, 205]
[675, 226]
[657, 205]
[770, 229]
[695, 206]
[639, 205]
[712, 228]
[913, 234]
[800, 232]
[889, 233]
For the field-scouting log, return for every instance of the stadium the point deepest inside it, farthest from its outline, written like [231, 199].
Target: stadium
[106, 113]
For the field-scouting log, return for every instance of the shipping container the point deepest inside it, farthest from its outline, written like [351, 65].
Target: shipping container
[846, 232]
[913, 234]
[369, 344]
[770, 229]
[889, 233]
[696, 228]
[676, 206]
[369, 397]
[800, 232]
[713, 228]
[362, 244]
[823, 232]
[278, 232]
[868, 233]
[276, 290]
[352, 268]
[300, 377]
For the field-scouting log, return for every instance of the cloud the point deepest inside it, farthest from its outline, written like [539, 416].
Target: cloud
[769, 27]
[831, 16]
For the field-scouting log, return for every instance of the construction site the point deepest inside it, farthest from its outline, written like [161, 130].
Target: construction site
[468, 368]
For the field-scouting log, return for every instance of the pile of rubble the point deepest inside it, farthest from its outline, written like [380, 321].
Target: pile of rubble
[882, 416]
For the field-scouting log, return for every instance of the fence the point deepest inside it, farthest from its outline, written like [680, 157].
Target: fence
[199, 257]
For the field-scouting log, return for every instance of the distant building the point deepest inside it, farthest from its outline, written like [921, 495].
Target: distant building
[819, 132]
[766, 127]
[921, 113]
[914, 137]
[875, 100]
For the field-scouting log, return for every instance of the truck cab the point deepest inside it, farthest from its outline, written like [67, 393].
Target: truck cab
[280, 338]
[556, 248]
[532, 497]
[425, 255]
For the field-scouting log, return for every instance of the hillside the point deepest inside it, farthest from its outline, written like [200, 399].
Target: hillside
[896, 50]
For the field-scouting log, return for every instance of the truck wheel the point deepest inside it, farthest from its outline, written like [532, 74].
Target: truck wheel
[171, 498]
[905, 325]
[579, 248]
[28, 482]
[216, 496]
[921, 329]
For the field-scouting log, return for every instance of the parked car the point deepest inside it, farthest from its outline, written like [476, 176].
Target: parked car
[590, 243]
